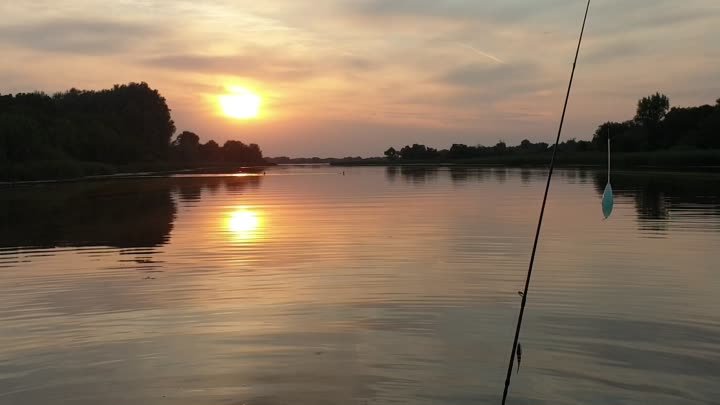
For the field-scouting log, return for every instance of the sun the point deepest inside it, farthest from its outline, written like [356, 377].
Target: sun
[240, 103]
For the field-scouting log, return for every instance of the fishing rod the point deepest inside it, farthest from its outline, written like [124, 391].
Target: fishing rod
[542, 214]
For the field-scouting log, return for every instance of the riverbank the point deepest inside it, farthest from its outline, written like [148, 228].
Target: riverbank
[696, 160]
[54, 171]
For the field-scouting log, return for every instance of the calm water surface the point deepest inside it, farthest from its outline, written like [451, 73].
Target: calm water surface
[382, 286]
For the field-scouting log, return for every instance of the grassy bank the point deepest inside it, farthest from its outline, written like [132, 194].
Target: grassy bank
[666, 159]
[70, 169]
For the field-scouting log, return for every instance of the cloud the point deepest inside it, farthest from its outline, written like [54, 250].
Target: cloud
[90, 37]
[643, 15]
[246, 65]
[613, 14]
[612, 51]
[507, 11]
[481, 75]
[262, 64]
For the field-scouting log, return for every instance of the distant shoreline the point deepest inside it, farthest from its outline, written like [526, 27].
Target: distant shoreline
[685, 160]
[665, 160]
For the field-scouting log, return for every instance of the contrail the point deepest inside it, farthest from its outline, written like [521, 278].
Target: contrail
[487, 55]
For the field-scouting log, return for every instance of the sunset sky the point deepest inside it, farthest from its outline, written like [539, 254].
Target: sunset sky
[352, 77]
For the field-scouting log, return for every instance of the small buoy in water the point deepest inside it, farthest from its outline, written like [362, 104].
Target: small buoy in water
[607, 197]
[607, 201]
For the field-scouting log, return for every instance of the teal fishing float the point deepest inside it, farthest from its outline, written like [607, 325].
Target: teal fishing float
[607, 197]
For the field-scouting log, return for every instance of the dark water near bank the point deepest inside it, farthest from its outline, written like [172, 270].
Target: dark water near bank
[382, 286]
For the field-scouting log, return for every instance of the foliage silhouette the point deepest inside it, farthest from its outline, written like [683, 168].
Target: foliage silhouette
[81, 132]
[654, 127]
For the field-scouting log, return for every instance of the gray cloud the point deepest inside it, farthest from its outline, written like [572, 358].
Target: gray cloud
[260, 64]
[623, 17]
[507, 11]
[90, 37]
[613, 51]
[481, 75]
[251, 65]
[611, 14]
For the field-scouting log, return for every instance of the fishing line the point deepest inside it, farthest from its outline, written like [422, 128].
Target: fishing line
[542, 212]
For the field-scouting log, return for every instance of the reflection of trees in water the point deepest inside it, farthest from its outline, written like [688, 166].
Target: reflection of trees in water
[525, 175]
[391, 173]
[582, 175]
[124, 214]
[500, 174]
[239, 184]
[120, 214]
[657, 194]
[212, 187]
[571, 176]
[461, 174]
[191, 189]
[418, 174]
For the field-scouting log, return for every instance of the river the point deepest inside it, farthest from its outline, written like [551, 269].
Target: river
[305, 285]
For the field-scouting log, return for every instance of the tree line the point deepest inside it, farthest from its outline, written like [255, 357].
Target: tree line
[655, 126]
[186, 147]
[124, 125]
[285, 160]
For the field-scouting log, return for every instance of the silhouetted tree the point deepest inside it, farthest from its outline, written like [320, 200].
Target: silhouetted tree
[500, 148]
[187, 145]
[650, 112]
[187, 139]
[417, 152]
[391, 153]
[652, 109]
[709, 129]
[683, 126]
[238, 152]
[119, 125]
[460, 151]
[654, 127]
[616, 130]
[210, 152]
[126, 124]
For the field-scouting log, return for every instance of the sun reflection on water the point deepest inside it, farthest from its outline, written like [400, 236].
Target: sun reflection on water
[244, 223]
